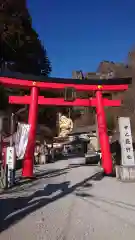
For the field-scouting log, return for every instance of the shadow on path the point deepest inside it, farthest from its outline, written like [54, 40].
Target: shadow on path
[14, 209]
[24, 183]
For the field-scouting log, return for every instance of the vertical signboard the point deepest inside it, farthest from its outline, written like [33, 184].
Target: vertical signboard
[126, 142]
[10, 157]
[10, 166]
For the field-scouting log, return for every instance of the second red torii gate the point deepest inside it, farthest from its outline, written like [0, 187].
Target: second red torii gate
[36, 83]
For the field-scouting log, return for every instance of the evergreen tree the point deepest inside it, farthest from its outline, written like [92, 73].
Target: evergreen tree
[20, 47]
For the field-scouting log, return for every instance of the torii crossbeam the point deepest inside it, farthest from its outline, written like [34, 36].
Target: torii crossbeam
[35, 83]
[91, 102]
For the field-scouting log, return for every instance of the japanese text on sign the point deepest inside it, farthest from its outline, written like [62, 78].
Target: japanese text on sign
[10, 157]
[126, 142]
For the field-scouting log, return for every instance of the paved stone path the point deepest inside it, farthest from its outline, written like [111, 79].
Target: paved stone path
[68, 204]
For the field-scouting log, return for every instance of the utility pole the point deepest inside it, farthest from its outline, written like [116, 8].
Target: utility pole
[2, 169]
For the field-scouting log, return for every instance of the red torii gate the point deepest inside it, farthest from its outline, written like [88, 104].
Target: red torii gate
[35, 83]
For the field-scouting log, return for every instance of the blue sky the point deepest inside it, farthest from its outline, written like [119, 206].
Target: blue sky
[80, 34]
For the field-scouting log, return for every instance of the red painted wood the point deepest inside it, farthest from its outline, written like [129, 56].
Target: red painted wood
[102, 132]
[19, 83]
[28, 162]
[60, 101]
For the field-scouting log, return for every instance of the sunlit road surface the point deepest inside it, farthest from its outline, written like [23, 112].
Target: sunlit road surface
[69, 204]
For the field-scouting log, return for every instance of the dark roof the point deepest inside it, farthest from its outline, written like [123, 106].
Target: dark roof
[114, 81]
[83, 129]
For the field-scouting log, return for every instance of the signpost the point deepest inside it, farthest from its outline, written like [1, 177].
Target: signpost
[126, 142]
[10, 163]
[126, 171]
[10, 157]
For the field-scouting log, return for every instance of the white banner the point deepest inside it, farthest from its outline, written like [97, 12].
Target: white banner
[21, 139]
[126, 142]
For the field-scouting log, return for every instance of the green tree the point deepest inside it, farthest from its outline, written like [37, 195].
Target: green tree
[20, 47]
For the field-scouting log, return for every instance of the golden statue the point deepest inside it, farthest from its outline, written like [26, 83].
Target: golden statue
[65, 126]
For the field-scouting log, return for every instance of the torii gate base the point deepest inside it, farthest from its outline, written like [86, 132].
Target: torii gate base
[81, 85]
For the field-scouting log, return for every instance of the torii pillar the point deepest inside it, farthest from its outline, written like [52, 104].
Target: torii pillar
[103, 136]
[27, 170]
